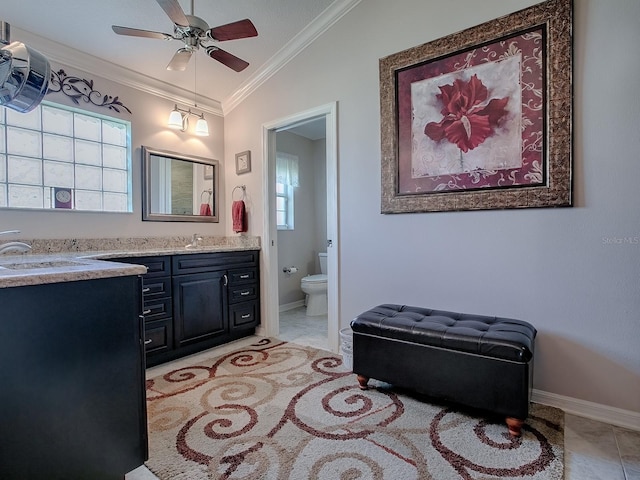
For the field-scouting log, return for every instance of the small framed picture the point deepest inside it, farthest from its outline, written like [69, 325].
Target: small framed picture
[243, 162]
[63, 197]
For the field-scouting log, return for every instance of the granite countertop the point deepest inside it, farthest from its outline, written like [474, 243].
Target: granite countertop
[47, 265]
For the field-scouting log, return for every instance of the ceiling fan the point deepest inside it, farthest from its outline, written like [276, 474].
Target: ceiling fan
[194, 32]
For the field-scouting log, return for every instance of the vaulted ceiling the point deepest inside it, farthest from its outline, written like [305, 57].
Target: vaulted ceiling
[82, 29]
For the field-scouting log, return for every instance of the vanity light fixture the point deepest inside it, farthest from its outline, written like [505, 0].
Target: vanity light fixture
[179, 120]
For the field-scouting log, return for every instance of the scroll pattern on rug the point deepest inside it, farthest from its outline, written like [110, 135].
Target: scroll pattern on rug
[276, 410]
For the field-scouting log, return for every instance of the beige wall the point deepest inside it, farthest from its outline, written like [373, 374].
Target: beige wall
[551, 267]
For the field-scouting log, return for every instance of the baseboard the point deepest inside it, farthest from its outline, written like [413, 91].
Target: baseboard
[595, 411]
[291, 306]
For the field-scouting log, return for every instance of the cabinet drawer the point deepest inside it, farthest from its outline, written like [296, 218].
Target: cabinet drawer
[153, 287]
[246, 275]
[244, 315]
[243, 293]
[157, 309]
[207, 262]
[158, 336]
[156, 266]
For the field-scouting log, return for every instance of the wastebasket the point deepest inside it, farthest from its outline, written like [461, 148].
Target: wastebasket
[346, 347]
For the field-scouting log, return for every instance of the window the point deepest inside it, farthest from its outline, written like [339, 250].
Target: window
[56, 157]
[286, 181]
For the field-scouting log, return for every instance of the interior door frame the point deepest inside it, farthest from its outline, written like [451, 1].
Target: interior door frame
[270, 307]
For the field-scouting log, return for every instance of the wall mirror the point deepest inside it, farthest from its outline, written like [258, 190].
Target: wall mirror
[178, 187]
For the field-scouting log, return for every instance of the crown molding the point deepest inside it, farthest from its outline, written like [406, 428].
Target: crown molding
[70, 57]
[297, 44]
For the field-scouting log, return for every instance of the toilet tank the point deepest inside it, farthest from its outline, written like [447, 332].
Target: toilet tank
[323, 262]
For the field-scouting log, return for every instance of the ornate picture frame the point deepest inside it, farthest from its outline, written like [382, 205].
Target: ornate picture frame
[481, 119]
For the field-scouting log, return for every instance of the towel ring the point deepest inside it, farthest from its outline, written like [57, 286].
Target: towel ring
[241, 187]
[210, 192]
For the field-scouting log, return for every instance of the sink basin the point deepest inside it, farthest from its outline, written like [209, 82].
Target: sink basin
[36, 265]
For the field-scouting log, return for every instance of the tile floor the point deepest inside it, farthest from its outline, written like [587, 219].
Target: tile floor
[593, 450]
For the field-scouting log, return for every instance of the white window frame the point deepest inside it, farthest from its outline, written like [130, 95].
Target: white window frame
[286, 181]
[288, 196]
[48, 200]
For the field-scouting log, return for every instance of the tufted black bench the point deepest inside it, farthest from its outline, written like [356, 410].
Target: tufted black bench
[478, 361]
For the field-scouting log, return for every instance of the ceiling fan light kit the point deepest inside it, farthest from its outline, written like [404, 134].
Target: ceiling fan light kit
[194, 32]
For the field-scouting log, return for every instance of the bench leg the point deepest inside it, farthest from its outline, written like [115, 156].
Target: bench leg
[362, 380]
[515, 426]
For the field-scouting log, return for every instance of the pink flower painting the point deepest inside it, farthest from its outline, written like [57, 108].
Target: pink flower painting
[469, 116]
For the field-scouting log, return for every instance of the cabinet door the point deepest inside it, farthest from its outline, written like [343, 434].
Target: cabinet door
[200, 307]
[72, 401]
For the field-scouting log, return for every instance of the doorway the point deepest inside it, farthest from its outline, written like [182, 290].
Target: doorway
[271, 307]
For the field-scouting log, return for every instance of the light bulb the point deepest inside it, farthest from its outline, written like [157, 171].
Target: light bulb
[202, 127]
[175, 119]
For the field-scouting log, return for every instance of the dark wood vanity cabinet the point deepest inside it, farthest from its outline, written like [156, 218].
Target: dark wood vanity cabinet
[72, 402]
[195, 301]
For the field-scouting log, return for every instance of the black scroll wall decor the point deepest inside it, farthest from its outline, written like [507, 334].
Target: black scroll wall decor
[77, 89]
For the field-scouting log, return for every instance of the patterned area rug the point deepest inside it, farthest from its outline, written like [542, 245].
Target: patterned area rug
[276, 410]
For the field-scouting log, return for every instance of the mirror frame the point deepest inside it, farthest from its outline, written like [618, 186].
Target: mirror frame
[146, 190]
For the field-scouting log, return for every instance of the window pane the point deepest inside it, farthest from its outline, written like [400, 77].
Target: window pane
[88, 153]
[114, 180]
[115, 202]
[87, 127]
[281, 218]
[88, 177]
[55, 120]
[2, 145]
[56, 147]
[27, 120]
[22, 196]
[115, 157]
[280, 188]
[58, 174]
[3, 168]
[114, 133]
[88, 200]
[3, 195]
[281, 203]
[24, 142]
[25, 170]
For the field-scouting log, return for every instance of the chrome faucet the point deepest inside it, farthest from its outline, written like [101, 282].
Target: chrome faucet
[13, 246]
[194, 241]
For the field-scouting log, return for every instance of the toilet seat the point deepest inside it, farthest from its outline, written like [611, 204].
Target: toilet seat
[319, 278]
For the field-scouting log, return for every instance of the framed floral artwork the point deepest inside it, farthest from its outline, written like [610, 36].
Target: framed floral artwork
[481, 119]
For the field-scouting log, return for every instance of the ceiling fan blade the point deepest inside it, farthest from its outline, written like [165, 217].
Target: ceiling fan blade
[135, 32]
[173, 9]
[180, 60]
[233, 31]
[227, 59]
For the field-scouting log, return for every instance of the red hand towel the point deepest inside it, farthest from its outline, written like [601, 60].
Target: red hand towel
[239, 216]
[205, 210]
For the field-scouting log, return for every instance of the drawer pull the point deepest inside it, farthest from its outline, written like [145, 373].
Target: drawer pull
[146, 290]
[146, 312]
[246, 315]
[246, 275]
[147, 342]
[245, 293]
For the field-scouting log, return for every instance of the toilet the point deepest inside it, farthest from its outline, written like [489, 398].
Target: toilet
[315, 288]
